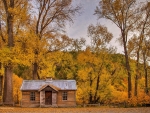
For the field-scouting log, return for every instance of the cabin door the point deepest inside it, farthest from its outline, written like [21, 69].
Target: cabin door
[48, 97]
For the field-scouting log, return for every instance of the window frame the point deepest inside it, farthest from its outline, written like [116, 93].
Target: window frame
[64, 95]
[32, 96]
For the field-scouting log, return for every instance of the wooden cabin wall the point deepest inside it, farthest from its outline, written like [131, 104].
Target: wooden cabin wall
[71, 99]
[26, 102]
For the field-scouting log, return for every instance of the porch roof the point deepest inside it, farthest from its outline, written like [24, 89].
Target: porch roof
[37, 84]
[50, 85]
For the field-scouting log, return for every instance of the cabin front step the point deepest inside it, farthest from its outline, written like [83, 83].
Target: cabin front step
[48, 106]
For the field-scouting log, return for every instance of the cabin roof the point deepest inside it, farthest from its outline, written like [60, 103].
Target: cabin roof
[38, 84]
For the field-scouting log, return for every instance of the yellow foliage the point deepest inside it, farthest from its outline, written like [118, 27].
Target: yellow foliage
[6, 55]
[119, 97]
[47, 71]
[141, 99]
[13, 11]
[17, 81]
[79, 96]
[82, 94]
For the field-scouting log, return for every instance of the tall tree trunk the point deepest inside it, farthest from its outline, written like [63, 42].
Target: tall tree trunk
[96, 99]
[138, 52]
[147, 8]
[8, 84]
[127, 65]
[137, 73]
[35, 74]
[97, 87]
[8, 87]
[90, 95]
[136, 85]
[145, 71]
[137, 62]
[35, 71]
[1, 83]
[1, 89]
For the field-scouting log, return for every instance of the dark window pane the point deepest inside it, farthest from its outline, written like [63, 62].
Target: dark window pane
[32, 96]
[64, 95]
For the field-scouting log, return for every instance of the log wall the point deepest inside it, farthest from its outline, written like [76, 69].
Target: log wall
[71, 99]
[26, 102]
[57, 99]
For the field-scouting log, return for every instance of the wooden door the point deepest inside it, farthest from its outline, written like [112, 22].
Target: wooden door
[48, 97]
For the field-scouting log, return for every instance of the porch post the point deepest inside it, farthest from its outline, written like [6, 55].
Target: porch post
[42, 98]
[54, 98]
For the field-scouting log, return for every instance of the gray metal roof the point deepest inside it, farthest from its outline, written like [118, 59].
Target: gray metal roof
[37, 84]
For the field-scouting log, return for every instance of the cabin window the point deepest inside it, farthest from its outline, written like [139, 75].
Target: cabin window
[64, 95]
[32, 96]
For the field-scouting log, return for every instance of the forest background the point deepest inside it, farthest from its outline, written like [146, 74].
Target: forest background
[34, 45]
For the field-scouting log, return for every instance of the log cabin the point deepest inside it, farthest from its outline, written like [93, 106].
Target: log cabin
[48, 93]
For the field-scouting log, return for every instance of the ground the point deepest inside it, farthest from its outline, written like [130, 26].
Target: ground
[74, 110]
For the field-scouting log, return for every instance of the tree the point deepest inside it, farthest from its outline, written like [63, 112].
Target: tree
[136, 44]
[10, 17]
[48, 21]
[145, 30]
[99, 38]
[66, 67]
[8, 86]
[88, 74]
[95, 75]
[146, 54]
[93, 63]
[77, 45]
[122, 13]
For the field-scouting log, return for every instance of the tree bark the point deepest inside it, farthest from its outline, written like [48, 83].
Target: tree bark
[90, 94]
[8, 87]
[1, 83]
[97, 87]
[8, 84]
[96, 99]
[127, 65]
[136, 85]
[35, 71]
[137, 73]
[146, 75]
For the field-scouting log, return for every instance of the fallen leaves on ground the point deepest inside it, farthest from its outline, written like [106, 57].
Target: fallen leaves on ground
[74, 110]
